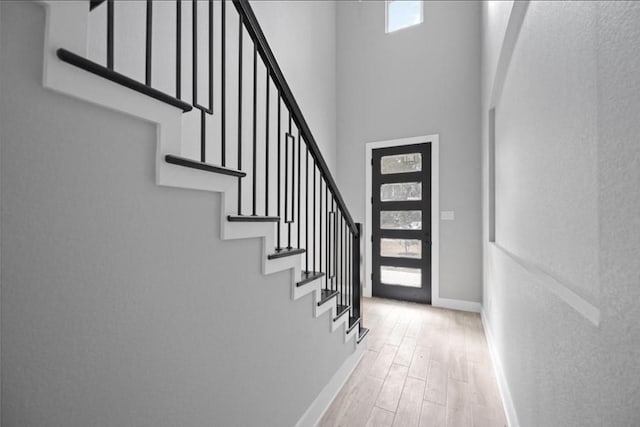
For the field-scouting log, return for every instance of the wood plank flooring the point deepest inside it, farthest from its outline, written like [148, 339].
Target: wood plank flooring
[423, 367]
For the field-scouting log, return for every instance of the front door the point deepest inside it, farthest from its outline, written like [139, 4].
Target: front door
[401, 216]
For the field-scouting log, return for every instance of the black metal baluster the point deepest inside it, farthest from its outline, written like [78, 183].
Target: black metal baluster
[341, 259]
[279, 247]
[149, 39]
[194, 31]
[293, 183]
[306, 213]
[179, 48]
[223, 77]
[320, 227]
[327, 241]
[338, 250]
[330, 265]
[339, 264]
[196, 103]
[286, 181]
[334, 285]
[349, 267]
[353, 265]
[339, 255]
[314, 215]
[286, 187]
[345, 260]
[255, 121]
[289, 218]
[110, 35]
[266, 152]
[351, 272]
[203, 139]
[240, 112]
[346, 264]
[355, 287]
[210, 56]
[194, 58]
[203, 143]
[203, 136]
[299, 185]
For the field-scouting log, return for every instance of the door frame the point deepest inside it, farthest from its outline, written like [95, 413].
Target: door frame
[434, 140]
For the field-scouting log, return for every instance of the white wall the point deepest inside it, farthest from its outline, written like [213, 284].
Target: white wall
[120, 304]
[562, 278]
[419, 81]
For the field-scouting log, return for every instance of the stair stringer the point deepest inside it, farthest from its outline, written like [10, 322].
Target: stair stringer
[267, 233]
[67, 27]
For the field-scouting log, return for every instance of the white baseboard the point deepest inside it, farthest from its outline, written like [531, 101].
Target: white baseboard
[457, 304]
[503, 386]
[319, 406]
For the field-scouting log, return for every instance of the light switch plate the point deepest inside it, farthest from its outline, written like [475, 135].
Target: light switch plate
[447, 215]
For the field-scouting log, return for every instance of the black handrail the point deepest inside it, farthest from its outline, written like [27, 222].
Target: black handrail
[258, 37]
[95, 3]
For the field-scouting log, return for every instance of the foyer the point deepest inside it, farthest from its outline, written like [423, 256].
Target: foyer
[195, 221]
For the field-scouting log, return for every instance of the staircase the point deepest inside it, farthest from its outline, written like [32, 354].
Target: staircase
[227, 122]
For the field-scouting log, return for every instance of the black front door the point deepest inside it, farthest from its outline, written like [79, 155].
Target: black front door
[401, 179]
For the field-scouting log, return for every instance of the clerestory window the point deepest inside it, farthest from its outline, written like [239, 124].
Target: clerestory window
[403, 14]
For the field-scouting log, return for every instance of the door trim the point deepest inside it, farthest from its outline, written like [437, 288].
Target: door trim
[435, 209]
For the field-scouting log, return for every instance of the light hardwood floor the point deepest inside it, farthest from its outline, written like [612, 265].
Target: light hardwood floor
[424, 366]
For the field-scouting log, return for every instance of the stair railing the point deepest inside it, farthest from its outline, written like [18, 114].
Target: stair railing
[342, 258]
[311, 216]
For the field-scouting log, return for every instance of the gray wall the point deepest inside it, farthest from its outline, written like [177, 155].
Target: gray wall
[567, 224]
[418, 81]
[120, 305]
[1, 92]
[302, 35]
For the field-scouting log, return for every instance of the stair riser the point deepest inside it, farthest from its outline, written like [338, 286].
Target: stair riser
[342, 321]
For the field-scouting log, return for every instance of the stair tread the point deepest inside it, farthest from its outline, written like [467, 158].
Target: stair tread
[252, 218]
[285, 252]
[326, 295]
[341, 309]
[353, 321]
[116, 77]
[203, 166]
[309, 276]
[363, 333]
